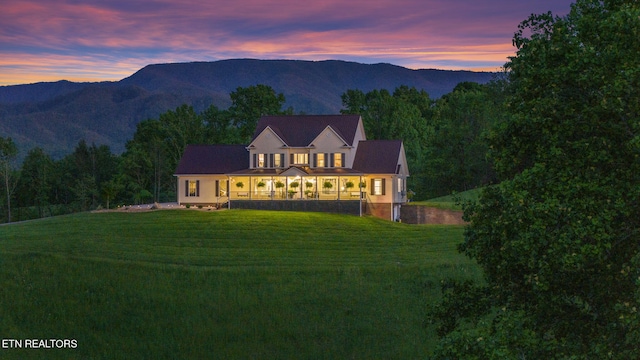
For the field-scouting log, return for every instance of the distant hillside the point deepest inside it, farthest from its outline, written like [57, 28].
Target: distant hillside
[57, 115]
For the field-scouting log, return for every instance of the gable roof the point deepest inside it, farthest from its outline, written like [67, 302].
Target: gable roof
[301, 130]
[377, 156]
[212, 159]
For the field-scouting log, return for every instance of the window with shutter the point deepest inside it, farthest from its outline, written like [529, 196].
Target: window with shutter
[193, 188]
[377, 186]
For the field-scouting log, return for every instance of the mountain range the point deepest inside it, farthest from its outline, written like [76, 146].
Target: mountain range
[57, 115]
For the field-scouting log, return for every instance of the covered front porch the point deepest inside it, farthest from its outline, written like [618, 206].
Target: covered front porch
[297, 184]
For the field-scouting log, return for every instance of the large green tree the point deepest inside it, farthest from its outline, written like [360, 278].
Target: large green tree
[250, 103]
[36, 179]
[8, 153]
[558, 240]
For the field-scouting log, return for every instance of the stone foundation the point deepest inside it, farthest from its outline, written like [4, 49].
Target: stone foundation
[380, 210]
[340, 207]
[417, 214]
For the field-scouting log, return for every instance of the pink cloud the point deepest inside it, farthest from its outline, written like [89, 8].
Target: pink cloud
[112, 39]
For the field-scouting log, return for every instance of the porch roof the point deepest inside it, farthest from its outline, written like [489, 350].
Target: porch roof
[212, 159]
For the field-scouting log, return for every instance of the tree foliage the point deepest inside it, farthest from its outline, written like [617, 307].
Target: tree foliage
[456, 158]
[8, 153]
[249, 104]
[558, 238]
[444, 140]
[36, 180]
[403, 115]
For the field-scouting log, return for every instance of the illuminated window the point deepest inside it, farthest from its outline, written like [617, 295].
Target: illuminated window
[320, 161]
[300, 159]
[277, 160]
[192, 188]
[261, 160]
[337, 160]
[377, 186]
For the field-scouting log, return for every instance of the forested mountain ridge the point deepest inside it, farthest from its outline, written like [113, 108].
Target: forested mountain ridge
[55, 116]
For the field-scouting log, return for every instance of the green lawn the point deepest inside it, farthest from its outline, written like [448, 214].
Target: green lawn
[227, 284]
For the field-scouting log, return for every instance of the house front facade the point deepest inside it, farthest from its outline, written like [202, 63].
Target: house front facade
[299, 162]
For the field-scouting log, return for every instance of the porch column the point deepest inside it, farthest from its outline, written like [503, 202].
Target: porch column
[228, 192]
[360, 195]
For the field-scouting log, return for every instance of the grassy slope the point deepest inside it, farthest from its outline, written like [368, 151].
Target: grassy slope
[450, 202]
[229, 284]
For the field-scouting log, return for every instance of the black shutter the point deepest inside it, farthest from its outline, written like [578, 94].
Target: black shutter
[373, 188]
[384, 185]
[281, 160]
[315, 160]
[343, 161]
[197, 187]
[291, 162]
[270, 160]
[332, 160]
[255, 161]
[217, 188]
[186, 188]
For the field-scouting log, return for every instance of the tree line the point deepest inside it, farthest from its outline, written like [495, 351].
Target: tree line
[444, 140]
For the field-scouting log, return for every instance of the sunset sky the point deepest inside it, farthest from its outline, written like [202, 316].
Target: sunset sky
[95, 40]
